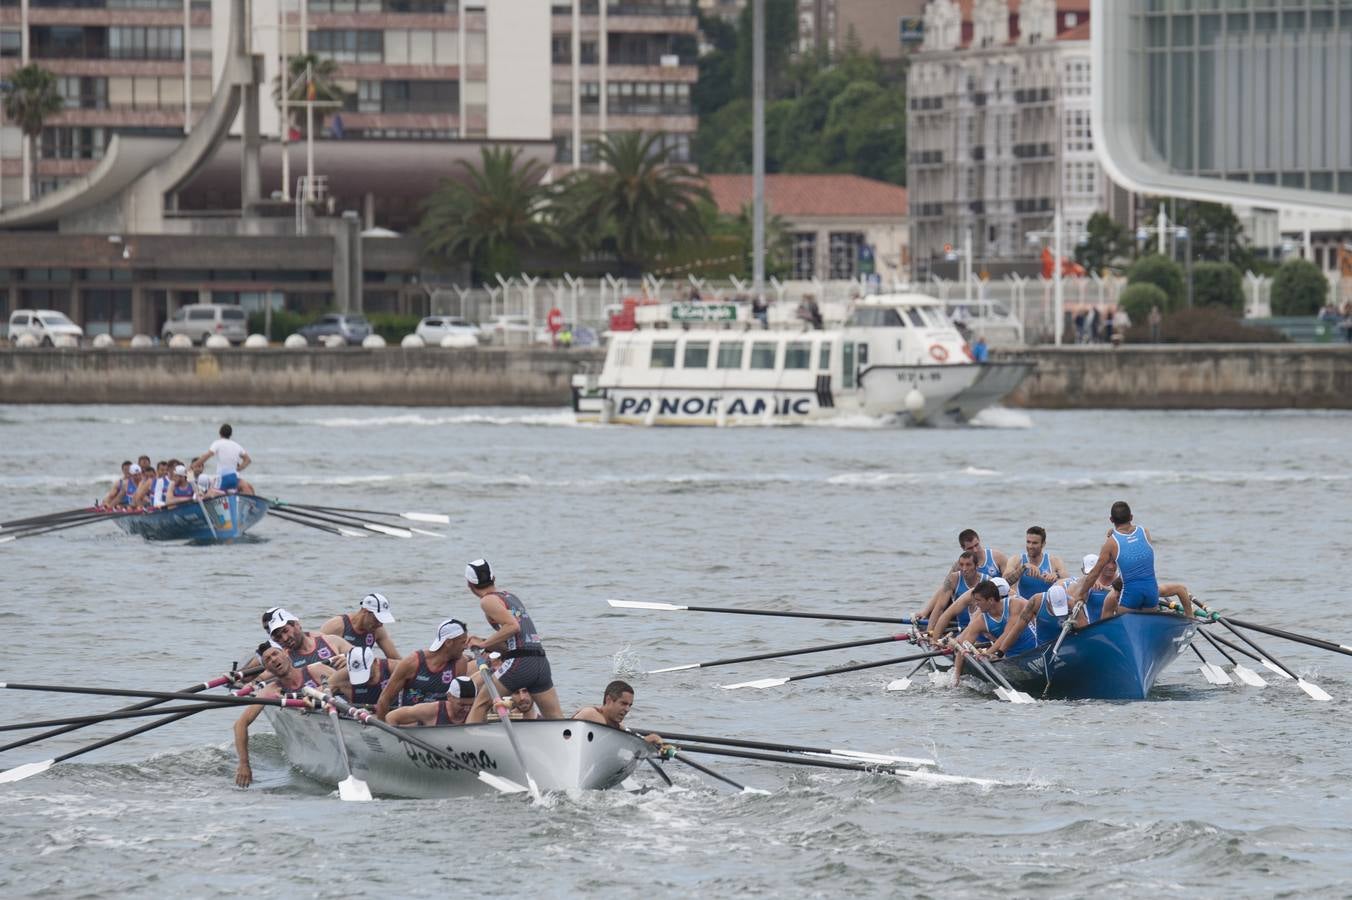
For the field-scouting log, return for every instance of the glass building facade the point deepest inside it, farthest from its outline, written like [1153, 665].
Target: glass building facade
[1235, 98]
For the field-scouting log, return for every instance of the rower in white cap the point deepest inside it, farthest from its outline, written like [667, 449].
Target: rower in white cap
[284, 677]
[451, 709]
[424, 676]
[303, 646]
[366, 626]
[524, 664]
[364, 678]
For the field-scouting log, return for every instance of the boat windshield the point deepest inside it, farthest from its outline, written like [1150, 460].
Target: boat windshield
[875, 317]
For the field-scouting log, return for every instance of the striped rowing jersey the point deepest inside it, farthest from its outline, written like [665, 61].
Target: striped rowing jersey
[355, 637]
[427, 685]
[367, 694]
[525, 642]
[323, 652]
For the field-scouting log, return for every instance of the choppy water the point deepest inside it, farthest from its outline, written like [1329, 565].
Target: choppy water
[1201, 791]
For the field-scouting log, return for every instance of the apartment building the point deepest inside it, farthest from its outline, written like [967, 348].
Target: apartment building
[999, 128]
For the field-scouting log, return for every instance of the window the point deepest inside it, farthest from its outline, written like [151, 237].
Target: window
[804, 255]
[847, 375]
[137, 42]
[663, 355]
[11, 44]
[798, 355]
[824, 358]
[876, 317]
[349, 45]
[845, 254]
[201, 315]
[729, 354]
[232, 313]
[696, 355]
[763, 354]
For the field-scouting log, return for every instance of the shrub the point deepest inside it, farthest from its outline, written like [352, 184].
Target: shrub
[1205, 325]
[284, 322]
[1162, 272]
[393, 326]
[1218, 284]
[1137, 299]
[1299, 289]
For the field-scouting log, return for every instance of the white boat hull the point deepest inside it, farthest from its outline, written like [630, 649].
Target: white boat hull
[563, 754]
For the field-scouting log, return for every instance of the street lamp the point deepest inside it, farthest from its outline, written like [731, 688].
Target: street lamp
[1035, 238]
[1162, 228]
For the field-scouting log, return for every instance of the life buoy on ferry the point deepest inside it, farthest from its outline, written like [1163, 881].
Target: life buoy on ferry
[939, 352]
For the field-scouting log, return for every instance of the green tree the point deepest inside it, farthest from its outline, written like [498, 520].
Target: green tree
[1108, 244]
[1138, 299]
[305, 71]
[637, 205]
[487, 218]
[778, 241]
[715, 88]
[1218, 284]
[31, 97]
[865, 132]
[1299, 289]
[723, 142]
[781, 36]
[1162, 272]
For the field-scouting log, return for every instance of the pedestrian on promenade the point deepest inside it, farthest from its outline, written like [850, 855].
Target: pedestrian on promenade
[1154, 321]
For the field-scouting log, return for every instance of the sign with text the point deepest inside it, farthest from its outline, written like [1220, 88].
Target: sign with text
[704, 312]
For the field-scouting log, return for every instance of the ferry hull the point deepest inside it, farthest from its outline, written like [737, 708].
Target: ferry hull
[224, 519]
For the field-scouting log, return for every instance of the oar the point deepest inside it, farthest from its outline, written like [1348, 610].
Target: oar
[796, 748]
[332, 520]
[226, 699]
[712, 774]
[76, 524]
[1313, 690]
[837, 617]
[836, 764]
[902, 684]
[497, 782]
[341, 532]
[1242, 651]
[1242, 672]
[351, 787]
[1297, 638]
[435, 518]
[202, 505]
[986, 676]
[777, 654]
[505, 717]
[776, 682]
[397, 532]
[1212, 673]
[54, 517]
[1015, 696]
[233, 677]
[97, 718]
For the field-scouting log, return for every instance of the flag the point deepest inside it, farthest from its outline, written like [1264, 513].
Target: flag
[336, 126]
[310, 92]
[1048, 263]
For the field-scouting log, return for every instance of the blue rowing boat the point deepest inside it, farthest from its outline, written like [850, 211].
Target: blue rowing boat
[1111, 659]
[212, 521]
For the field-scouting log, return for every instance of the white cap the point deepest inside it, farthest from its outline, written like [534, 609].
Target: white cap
[1058, 600]
[277, 618]
[1090, 560]
[379, 606]
[1001, 585]
[134, 470]
[479, 573]
[180, 470]
[360, 661]
[204, 482]
[460, 688]
[448, 631]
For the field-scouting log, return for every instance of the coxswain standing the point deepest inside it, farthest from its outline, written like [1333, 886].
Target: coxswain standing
[303, 646]
[615, 704]
[231, 459]
[366, 626]
[425, 676]
[524, 664]
[1128, 545]
[286, 679]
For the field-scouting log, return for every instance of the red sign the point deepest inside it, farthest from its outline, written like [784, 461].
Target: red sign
[555, 320]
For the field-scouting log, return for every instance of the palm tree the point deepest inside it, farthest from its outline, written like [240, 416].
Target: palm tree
[639, 204]
[489, 216]
[29, 99]
[310, 77]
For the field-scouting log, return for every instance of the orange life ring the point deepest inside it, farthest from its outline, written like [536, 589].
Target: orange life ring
[939, 352]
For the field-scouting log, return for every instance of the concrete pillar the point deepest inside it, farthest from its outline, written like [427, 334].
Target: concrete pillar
[76, 305]
[250, 173]
[368, 202]
[347, 264]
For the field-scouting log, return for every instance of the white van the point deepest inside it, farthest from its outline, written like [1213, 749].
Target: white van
[44, 324]
[200, 321]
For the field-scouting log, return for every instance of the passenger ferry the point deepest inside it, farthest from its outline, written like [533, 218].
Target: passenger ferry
[713, 364]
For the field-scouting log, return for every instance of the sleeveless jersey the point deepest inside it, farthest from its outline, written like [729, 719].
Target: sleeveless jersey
[1093, 603]
[426, 685]
[988, 568]
[1135, 556]
[129, 492]
[159, 492]
[525, 642]
[965, 614]
[996, 627]
[446, 717]
[307, 679]
[1028, 585]
[354, 637]
[322, 652]
[367, 694]
[183, 490]
[1048, 624]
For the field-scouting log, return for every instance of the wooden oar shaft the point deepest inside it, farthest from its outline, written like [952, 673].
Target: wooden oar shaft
[1292, 636]
[1235, 647]
[34, 532]
[228, 700]
[95, 719]
[837, 617]
[707, 771]
[343, 509]
[53, 517]
[789, 760]
[820, 648]
[128, 734]
[856, 667]
[367, 718]
[1217, 647]
[299, 521]
[738, 742]
[1263, 653]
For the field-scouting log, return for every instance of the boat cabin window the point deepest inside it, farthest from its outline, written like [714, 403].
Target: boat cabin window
[824, 358]
[916, 319]
[763, 354]
[729, 354]
[663, 355]
[876, 317]
[798, 355]
[696, 355]
[847, 373]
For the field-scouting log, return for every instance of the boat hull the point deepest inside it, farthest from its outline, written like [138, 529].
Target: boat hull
[562, 754]
[225, 518]
[1112, 659]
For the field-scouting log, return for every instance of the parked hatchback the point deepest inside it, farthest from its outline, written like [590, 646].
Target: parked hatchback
[44, 324]
[353, 328]
[200, 321]
[433, 328]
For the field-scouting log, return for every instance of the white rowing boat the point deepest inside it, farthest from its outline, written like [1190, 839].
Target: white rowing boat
[562, 754]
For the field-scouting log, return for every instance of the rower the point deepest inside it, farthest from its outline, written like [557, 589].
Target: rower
[961, 609]
[1035, 570]
[1094, 594]
[180, 489]
[159, 486]
[366, 626]
[452, 709]
[990, 563]
[615, 704]
[989, 627]
[959, 581]
[286, 679]
[1128, 545]
[364, 677]
[424, 676]
[303, 646]
[524, 662]
[119, 487]
[131, 486]
[231, 459]
[1047, 612]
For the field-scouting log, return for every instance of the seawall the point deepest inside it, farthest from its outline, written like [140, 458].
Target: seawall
[1211, 376]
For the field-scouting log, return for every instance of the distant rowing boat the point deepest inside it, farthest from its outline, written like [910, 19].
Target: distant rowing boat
[1111, 659]
[563, 754]
[221, 518]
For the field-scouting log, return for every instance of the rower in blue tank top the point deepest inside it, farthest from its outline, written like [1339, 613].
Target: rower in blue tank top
[952, 595]
[1035, 570]
[1128, 545]
[1002, 622]
[990, 563]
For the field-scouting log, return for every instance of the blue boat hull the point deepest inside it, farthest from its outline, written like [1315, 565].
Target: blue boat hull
[230, 517]
[1112, 659]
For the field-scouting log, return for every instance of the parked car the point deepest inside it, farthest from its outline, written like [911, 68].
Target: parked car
[200, 321]
[515, 330]
[44, 324]
[352, 327]
[433, 328]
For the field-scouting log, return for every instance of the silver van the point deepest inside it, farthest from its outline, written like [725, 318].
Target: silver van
[200, 321]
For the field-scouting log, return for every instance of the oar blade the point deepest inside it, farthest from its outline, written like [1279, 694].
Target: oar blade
[900, 684]
[503, 785]
[755, 792]
[424, 531]
[347, 532]
[639, 604]
[1004, 695]
[19, 773]
[1024, 697]
[937, 778]
[1268, 664]
[673, 669]
[1249, 676]
[387, 530]
[353, 788]
[434, 518]
[759, 684]
[863, 756]
[1314, 690]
